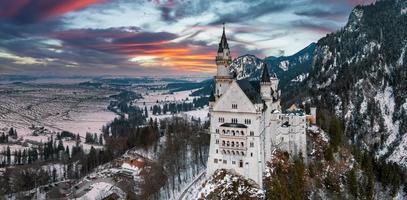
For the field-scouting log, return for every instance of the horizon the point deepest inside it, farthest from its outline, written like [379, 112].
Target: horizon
[95, 38]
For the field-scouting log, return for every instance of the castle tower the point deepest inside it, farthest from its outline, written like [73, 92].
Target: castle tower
[265, 84]
[223, 76]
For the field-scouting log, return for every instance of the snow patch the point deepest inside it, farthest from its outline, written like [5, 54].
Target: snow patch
[403, 53]
[100, 190]
[284, 65]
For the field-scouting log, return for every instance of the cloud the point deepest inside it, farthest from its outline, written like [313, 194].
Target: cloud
[326, 13]
[315, 26]
[31, 11]
[253, 10]
[158, 37]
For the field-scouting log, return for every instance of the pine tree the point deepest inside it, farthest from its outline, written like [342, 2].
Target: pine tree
[335, 132]
[8, 155]
[145, 112]
[67, 153]
[352, 183]
[100, 139]
[60, 145]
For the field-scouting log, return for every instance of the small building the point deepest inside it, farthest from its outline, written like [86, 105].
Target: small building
[133, 166]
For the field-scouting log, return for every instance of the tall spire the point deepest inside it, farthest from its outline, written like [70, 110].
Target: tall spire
[223, 44]
[265, 77]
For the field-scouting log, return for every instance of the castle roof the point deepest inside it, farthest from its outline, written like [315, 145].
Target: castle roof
[251, 90]
[265, 77]
[223, 44]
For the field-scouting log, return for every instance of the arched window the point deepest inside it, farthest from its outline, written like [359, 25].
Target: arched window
[233, 144]
[223, 143]
[241, 143]
[233, 152]
[233, 133]
[228, 143]
[223, 131]
[242, 133]
[228, 152]
[237, 152]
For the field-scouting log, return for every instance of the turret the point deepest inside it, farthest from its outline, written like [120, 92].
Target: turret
[223, 59]
[223, 76]
[265, 84]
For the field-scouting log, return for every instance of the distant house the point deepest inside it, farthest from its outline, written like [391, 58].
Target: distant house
[133, 166]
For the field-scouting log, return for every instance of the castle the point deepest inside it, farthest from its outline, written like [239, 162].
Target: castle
[246, 122]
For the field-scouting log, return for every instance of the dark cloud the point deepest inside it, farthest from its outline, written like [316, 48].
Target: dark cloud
[146, 37]
[255, 10]
[30, 11]
[315, 26]
[326, 13]
[172, 11]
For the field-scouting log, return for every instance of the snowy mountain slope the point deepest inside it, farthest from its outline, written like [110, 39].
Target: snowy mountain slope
[226, 184]
[287, 68]
[247, 67]
[360, 73]
[292, 69]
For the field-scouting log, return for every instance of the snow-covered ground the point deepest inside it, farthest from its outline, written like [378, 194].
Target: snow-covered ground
[54, 107]
[162, 97]
[99, 190]
[151, 98]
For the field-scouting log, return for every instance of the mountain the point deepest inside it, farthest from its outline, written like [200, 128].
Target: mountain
[292, 69]
[288, 69]
[247, 67]
[359, 73]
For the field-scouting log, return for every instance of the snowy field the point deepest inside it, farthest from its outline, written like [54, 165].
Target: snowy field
[151, 98]
[54, 107]
[162, 97]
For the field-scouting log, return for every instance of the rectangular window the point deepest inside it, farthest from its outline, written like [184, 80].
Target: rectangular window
[217, 141]
[234, 120]
[221, 119]
[251, 144]
[241, 163]
[225, 162]
[233, 162]
[251, 154]
[215, 160]
[217, 151]
[234, 106]
[248, 121]
[251, 133]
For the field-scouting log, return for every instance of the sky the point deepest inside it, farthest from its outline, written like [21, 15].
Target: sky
[155, 37]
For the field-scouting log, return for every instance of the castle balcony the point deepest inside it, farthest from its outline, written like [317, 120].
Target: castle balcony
[233, 144]
[233, 130]
[233, 151]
